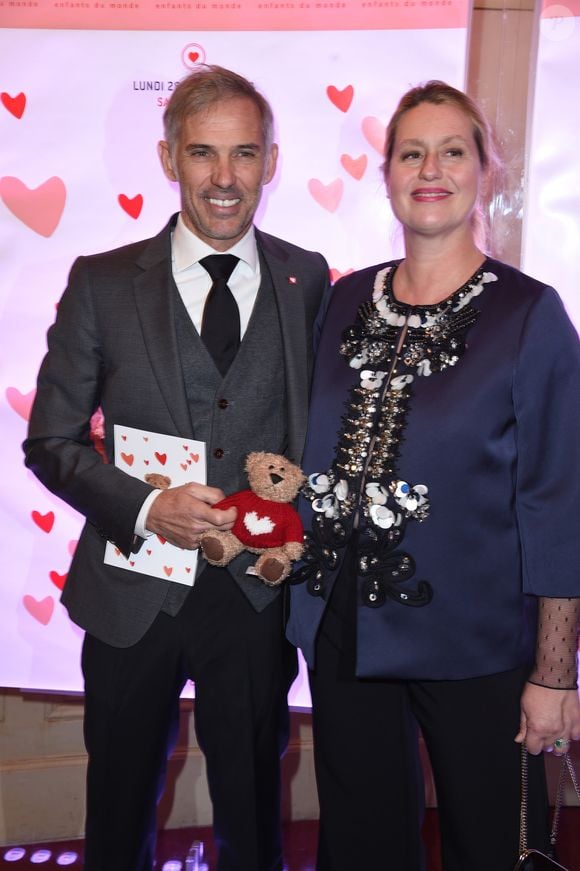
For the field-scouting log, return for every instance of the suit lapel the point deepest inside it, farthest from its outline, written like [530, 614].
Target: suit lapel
[155, 295]
[289, 294]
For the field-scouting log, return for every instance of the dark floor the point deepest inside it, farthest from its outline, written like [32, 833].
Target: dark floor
[300, 841]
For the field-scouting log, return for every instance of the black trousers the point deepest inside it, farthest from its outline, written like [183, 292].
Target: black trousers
[369, 785]
[242, 667]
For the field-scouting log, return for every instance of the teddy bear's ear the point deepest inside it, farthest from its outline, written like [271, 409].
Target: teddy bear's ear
[253, 459]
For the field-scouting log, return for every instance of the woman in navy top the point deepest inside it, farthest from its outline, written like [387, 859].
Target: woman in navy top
[440, 580]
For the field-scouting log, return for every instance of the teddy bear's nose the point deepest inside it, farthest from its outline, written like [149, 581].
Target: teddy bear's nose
[275, 479]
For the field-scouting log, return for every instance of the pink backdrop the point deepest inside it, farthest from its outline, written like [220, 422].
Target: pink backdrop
[80, 116]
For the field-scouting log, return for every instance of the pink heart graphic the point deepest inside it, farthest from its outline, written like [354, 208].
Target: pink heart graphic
[168, 570]
[15, 105]
[328, 196]
[340, 99]
[44, 521]
[131, 206]
[355, 166]
[127, 458]
[374, 133]
[335, 274]
[194, 457]
[39, 208]
[41, 609]
[19, 402]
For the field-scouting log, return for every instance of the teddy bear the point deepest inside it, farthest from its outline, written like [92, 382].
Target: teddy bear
[267, 523]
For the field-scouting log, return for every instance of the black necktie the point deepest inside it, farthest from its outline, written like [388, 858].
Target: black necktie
[220, 325]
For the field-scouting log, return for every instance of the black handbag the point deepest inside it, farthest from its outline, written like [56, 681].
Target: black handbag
[534, 860]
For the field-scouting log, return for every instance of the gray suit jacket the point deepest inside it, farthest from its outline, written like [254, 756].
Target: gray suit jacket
[114, 345]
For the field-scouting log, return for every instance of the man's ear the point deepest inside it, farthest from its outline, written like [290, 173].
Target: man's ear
[164, 153]
[270, 166]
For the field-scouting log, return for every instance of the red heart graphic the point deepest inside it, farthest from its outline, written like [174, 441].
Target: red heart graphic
[131, 563]
[193, 56]
[15, 105]
[194, 457]
[328, 196]
[145, 438]
[183, 466]
[146, 462]
[124, 438]
[374, 133]
[19, 402]
[57, 580]
[128, 458]
[161, 458]
[341, 99]
[188, 569]
[117, 552]
[41, 609]
[355, 166]
[335, 274]
[168, 570]
[185, 447]
[161, 539]
[44, 521]
[149, 552]
[189, 462]
[40, 208]
[131, 206]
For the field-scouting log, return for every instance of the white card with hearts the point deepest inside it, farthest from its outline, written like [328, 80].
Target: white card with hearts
[163, 461]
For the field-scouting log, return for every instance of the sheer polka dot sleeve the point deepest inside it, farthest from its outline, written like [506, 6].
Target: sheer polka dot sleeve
[557, 645]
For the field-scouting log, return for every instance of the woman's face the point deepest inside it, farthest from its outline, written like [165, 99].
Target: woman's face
[435, 174]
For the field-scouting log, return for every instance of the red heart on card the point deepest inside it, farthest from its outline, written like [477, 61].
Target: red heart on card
[183, 466]
[161, 458]
[194, 457]
[127, 458]
[43, 521]
[161, 539]
[168, 570]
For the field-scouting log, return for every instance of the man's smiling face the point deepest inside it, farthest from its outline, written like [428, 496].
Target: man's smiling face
[221, 162]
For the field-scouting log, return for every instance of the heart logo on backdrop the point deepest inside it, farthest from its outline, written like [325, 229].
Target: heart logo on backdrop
[335, 274]
[340, 99]
[374, 133]
[193, 56]
[41, 609]
[57, 580]
[355, 166]
[257, 525]
[41, 208]
[19, 402]
[44, 521]
[128, 458]
[328, 196]
[15, 105]
[131, 206]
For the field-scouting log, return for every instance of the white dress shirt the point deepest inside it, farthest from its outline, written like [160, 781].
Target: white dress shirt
[194, 283]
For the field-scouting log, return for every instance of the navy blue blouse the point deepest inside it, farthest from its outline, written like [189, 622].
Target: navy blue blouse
[490, 431]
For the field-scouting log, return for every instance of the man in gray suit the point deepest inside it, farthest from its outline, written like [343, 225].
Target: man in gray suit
[136, 334]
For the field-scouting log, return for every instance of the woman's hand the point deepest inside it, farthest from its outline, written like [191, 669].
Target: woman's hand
[546, 716]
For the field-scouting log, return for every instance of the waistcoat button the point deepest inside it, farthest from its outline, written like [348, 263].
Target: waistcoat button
[222, 403]
[218, 453]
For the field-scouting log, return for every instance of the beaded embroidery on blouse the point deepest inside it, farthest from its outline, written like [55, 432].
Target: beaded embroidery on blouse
[390, 344]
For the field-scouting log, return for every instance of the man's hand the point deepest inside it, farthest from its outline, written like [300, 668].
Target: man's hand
[181, 514]
[547, 715]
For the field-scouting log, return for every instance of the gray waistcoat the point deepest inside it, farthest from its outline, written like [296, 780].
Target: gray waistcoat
[243, 412]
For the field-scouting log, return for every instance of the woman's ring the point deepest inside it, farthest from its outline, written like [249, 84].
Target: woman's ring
[561, 745]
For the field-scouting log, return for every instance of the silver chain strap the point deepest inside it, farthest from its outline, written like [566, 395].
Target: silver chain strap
[566, 766]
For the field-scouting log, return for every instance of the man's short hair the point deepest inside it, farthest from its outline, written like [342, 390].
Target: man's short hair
[203, 88]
